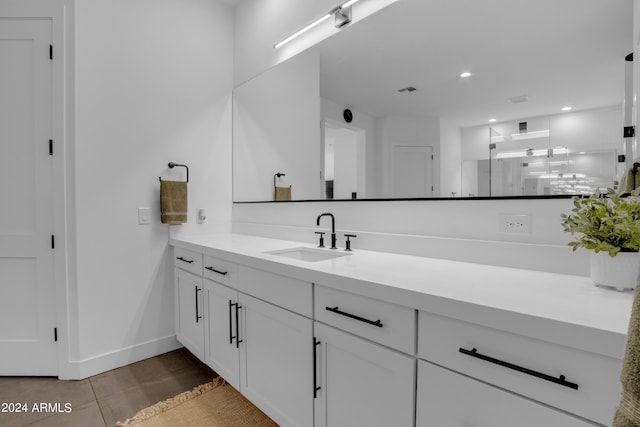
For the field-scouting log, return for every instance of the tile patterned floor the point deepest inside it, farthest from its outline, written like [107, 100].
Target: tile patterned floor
[101, 400]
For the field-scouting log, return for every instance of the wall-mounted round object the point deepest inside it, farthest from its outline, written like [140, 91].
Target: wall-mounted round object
[347, 115]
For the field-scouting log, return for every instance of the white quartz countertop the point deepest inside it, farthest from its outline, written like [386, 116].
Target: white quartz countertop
[563, 309]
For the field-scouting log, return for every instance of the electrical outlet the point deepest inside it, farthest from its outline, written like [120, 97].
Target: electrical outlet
[514, 223]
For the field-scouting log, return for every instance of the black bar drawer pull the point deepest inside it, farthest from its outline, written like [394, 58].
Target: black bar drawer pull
[231, 336]
[316, 388]
[188, 261]
[238, 340]
[336, 310]
[198, 317]
[224, 273]
[559, 380]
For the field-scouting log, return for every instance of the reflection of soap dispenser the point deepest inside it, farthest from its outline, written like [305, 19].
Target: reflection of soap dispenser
[202, 216]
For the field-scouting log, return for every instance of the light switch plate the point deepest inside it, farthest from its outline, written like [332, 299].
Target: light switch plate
[144, 216]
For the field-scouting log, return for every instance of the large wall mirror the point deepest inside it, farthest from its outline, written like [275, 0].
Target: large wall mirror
[382, 109]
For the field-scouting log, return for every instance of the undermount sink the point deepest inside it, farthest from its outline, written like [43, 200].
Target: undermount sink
[308, 254]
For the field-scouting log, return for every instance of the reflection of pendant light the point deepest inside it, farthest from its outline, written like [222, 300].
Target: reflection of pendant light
[342, 15]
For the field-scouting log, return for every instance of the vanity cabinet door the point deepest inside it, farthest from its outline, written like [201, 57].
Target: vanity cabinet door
[276, 356]
[189, 312]
[361, 383]
[223, 350]
[448, 399]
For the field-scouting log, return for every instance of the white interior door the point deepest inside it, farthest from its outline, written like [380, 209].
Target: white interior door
[27, 287]
[413, 171]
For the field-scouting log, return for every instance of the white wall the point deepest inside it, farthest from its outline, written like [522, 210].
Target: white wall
[458, 229]
[277, 129]
[153, 81]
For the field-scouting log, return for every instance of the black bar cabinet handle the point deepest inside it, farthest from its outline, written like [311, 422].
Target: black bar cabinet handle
[316, 388]
[231, 336]
[198, 317]
[559, 380]
[238, 340]
[336, 310]
[224, 273]
[188, 261]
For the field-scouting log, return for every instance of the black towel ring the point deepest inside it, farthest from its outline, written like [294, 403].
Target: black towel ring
[277, 175]
[172, 165]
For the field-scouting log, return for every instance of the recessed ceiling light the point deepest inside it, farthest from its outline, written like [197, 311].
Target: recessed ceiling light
[582, 152]
[465, 74]
[567, 108]
[492, 120]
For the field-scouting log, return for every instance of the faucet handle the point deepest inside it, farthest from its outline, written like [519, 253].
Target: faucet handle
[321, 243]
[348, 242]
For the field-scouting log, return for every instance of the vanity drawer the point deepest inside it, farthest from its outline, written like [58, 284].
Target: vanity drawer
[448, 399]
[286, 292]
[221, 271]
[188, 260]
[388, 324]
[582, 383]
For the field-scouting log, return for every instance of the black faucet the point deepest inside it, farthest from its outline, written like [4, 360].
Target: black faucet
[333, 228]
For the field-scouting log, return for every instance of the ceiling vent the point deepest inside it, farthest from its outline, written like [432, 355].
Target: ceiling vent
[519, 99]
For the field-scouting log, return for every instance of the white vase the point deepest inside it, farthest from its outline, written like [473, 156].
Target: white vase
[621, 271]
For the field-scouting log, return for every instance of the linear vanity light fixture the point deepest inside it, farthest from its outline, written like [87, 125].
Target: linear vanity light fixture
[341, 14]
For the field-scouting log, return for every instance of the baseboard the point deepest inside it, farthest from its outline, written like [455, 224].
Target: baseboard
[78, 370]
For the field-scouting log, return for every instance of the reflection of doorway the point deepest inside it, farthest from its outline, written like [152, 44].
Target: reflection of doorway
[413, 171]
[343, 161]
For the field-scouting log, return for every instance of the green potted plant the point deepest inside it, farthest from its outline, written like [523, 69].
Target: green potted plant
[608, 225]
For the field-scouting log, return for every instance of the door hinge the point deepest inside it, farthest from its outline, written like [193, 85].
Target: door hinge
[50, 51]
[51, 147]
[55, 334]
[53, 241]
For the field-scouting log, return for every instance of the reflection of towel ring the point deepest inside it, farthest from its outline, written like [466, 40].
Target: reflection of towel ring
[277, 175]
[172, 165]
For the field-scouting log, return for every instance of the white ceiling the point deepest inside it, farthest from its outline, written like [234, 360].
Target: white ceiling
[557, 52]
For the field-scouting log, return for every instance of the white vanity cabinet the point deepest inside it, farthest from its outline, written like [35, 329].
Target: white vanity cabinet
[361, 347]
[276, 358]
[571, 380]
[448, 399]
[189, 312]
[360, 382]
[223, 348]
[262, 349]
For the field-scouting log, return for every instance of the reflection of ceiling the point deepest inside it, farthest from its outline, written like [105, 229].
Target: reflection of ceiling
[557, 52]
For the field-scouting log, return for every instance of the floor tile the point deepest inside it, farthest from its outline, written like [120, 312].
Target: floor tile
[88, 415]
[125, 404]
[38, 390]
[105, 398]
[132, 375]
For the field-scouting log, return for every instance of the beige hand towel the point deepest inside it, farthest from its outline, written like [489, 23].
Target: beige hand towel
[282, 193]
[173, 202]
[628, 413]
